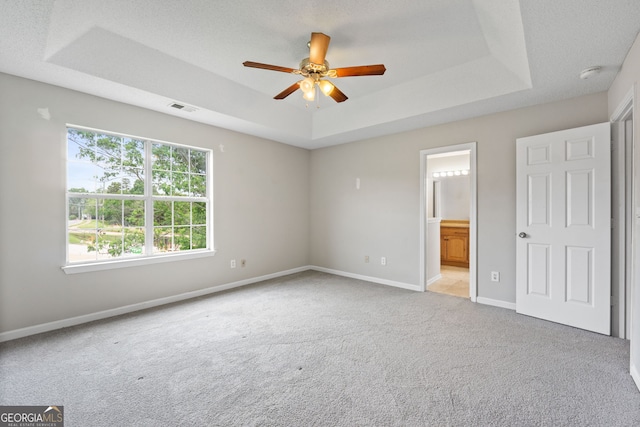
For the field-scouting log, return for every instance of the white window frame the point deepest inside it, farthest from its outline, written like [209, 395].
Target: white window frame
[148, 258]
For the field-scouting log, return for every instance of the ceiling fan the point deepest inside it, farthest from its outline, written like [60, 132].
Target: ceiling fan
[315, 69]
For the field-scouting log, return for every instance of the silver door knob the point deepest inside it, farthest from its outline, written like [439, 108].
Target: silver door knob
[522, 235]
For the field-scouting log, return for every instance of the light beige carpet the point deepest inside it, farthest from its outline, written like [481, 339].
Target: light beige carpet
[312, 349]
[455, 281]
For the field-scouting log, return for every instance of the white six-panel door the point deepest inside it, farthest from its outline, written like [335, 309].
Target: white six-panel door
[564, 227]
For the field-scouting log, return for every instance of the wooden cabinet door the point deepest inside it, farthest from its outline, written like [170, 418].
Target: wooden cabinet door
[456, 247]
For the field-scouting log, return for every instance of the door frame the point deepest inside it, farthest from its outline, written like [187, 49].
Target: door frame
[622, 234]
[424, 191]
[624, 112]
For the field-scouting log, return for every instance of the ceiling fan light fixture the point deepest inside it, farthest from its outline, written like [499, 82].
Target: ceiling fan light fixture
[306, 85]
[310, 95]
[326, 87]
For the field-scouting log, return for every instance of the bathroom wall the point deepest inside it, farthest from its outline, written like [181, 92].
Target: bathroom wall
[455, 191]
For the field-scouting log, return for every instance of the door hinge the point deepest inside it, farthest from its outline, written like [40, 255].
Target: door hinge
[613, 223]
[613, 301]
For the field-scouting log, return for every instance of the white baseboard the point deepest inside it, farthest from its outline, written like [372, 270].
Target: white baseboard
[368, 278]
[73, 321]
[434, 279]
[497, 303]
[635, 375]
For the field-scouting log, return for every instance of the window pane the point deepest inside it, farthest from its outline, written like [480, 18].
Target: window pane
[181, 213]
[133, 213]
[134, 181]
[199, 237]
[112, 185]
[81, 145]
[162, 239]
[198, 185]
[182, 238]
[162, 214]
[110, 214]
[82, 177]
[74, 144]
[79, 242]
[180, 159]
[87, 213]
[108, 244]
[125, 184]
[133, 241]
[180, 183]
[108, 153]
[82, 229]
[198, 162]
[76, 208]
[132, 155]
[114, 240]
[161, 183]
[161, 157]
[199, 213]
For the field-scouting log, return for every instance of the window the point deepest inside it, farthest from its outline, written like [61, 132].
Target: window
[132, 198]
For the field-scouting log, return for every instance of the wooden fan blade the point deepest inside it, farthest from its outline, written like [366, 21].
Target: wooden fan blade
[362, 70]
[337, 95]
[288, 91]
[268, 67]
[318, 48]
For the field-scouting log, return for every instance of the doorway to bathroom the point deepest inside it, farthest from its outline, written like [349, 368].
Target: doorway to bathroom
[449, 220]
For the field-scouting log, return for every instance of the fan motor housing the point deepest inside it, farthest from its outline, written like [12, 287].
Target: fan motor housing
[308, 68]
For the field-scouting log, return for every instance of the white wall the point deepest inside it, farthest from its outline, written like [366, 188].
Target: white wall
[433, 250]
[383, 217]
[277, 206]
[261, 192]
[628, 79]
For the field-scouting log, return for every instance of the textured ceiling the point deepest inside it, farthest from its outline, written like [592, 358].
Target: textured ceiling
[446, 59]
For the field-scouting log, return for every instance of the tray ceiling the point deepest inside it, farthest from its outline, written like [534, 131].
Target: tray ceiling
[446, 59]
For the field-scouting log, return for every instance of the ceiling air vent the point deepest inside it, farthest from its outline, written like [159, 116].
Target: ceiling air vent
[183, 107]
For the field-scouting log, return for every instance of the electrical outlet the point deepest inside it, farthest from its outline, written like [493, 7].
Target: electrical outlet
[366, 258]
[495, 276]
[383, 261]
[233, 263]
[243, 263]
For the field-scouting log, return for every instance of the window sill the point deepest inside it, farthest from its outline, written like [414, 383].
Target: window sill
[134, 262]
